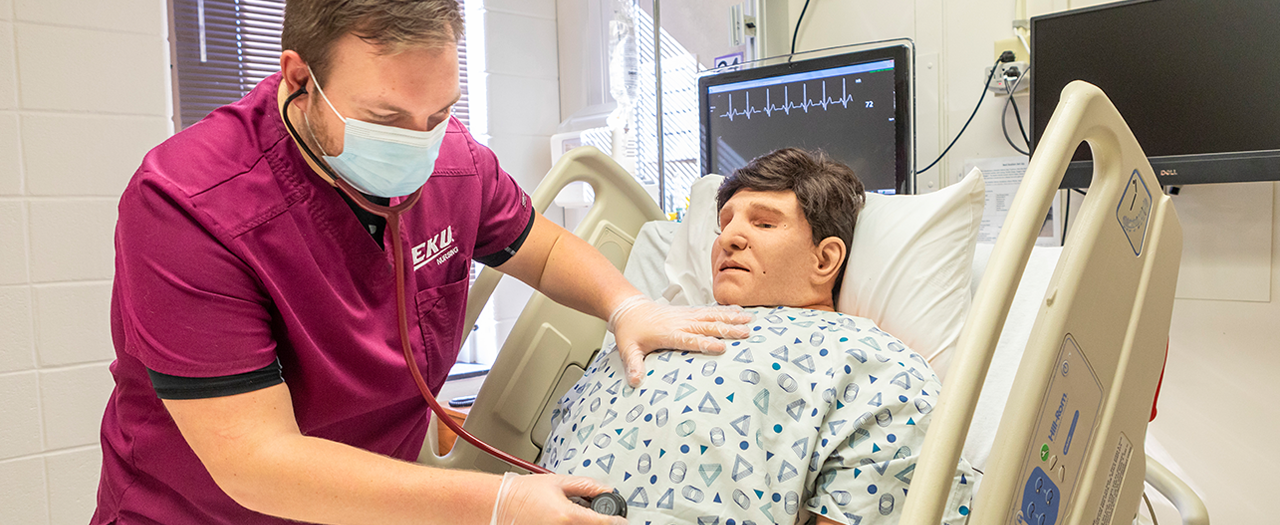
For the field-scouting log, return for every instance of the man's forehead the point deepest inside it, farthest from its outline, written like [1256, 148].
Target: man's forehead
[410, 80]
[352, 54]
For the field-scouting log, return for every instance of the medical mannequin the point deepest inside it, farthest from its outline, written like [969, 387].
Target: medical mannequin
[259, 377]
[817, 415]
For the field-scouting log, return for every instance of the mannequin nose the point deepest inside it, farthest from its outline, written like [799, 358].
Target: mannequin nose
[731, 239]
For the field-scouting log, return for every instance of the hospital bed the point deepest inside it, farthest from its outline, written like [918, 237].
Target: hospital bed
[1087, 372]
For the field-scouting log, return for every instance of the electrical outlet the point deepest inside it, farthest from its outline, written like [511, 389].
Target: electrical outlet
[1006, 78]
[1011, 44]
[741, 25]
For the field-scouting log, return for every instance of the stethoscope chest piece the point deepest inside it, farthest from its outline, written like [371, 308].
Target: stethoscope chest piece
[607, 503]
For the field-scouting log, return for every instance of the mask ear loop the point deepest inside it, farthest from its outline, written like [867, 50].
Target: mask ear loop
[392, 215]
[386, 212]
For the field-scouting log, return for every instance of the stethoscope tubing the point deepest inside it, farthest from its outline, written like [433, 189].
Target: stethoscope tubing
[392, 215]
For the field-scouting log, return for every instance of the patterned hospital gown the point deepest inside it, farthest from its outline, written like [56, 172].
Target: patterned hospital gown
[816, 413]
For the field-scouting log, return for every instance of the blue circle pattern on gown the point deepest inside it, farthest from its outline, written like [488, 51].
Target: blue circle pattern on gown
[815, 413]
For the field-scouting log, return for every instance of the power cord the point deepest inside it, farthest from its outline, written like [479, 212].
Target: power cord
[1005, 57]
[796, 33]
[1066, 214]
[1150, 511]
[1025, 137]
[1004, 126]
[1010, 90]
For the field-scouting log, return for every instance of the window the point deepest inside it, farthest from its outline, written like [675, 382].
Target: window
[679, 114]
[223, 48]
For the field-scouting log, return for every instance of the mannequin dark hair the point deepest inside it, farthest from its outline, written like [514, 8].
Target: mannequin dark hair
[829, 192]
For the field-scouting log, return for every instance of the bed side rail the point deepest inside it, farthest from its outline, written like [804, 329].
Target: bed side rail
[550, 345]
[1188, 503]
[1069, 448]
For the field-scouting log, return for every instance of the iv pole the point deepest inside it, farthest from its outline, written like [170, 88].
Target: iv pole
[657, 71]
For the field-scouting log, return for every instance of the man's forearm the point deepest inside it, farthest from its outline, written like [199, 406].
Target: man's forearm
[569, 271]
[315, 480]
[251, 445]
[581, 277]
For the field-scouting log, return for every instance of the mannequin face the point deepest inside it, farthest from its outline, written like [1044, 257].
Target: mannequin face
[765, 254]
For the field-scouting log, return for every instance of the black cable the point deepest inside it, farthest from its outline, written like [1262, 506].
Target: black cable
[994, 66]
[1025, 137]
[1004, 126]
[1066, 214]
[1150, 511]
[1018, 116]
[796, 33]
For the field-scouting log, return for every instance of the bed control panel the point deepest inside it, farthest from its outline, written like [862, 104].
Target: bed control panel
[1040, 499]
[1054, 459]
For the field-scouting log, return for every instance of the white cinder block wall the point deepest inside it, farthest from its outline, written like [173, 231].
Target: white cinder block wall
[83, 95]
[521, 81]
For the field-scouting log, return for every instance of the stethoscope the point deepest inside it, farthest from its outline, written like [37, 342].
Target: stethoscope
[605, 503]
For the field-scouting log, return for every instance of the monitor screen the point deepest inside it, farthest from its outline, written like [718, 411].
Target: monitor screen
[854, 106]
[1195, 80]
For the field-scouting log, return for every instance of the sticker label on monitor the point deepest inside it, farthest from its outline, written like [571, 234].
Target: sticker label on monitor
[1134, 211]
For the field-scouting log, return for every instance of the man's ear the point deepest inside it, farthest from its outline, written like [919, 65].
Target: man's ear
[295, 72]
[830, 252]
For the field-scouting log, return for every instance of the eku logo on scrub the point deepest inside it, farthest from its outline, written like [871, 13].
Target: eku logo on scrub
[438, 248]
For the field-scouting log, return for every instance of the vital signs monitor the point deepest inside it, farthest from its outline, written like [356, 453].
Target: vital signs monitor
[854, 106]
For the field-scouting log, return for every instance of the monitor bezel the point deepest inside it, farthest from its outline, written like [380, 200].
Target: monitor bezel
[903, 100]
[1171, 170]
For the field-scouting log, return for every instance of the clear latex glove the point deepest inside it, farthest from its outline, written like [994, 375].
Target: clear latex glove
[641, 326]
[544, 498]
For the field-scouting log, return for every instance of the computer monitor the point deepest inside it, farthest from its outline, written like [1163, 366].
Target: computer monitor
[854, 106]
[1196, 81]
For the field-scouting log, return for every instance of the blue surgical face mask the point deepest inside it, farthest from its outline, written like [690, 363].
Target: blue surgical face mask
[385, 161]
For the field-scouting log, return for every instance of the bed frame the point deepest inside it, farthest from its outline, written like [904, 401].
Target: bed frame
[1069, 448]
[1104, 321]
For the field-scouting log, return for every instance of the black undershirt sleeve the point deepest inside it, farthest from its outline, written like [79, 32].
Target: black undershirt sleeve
[177, 387]
[505, 254]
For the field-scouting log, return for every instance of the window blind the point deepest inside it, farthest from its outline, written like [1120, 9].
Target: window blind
[223, 48]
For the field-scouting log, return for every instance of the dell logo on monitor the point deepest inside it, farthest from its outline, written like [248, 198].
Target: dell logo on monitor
[1168, 173]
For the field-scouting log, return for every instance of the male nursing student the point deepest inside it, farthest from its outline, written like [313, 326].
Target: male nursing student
[259, 376]
[817, 417]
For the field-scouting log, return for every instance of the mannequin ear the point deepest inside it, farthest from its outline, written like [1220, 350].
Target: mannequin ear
[830, 253]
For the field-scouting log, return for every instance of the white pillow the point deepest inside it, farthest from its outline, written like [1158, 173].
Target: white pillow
[910, 265]
[688, 262]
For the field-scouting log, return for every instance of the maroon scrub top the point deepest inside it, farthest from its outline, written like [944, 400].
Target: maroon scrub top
[232, 253]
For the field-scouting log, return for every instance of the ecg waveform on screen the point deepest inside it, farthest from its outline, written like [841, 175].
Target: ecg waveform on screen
[787, 105]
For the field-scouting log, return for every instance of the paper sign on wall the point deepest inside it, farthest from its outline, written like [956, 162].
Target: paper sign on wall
[1003, 176]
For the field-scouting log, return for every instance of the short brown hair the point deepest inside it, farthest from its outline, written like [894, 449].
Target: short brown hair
[829, 192]
[312, 26]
